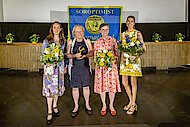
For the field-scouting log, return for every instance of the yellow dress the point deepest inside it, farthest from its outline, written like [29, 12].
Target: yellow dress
[125, 67]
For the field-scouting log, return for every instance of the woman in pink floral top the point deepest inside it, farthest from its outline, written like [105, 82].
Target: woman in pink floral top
[106, 81]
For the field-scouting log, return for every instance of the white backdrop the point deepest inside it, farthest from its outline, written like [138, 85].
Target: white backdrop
[149, 10]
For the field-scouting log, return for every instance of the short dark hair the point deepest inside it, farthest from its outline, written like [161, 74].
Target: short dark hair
[103, 24]
[131, 17]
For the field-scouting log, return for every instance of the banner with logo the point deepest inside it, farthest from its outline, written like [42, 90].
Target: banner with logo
[91, 18]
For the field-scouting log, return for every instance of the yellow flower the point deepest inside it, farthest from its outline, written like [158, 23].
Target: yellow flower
[134, 39]
[48, 57]
[34, 35]
[102, 55]
[129, 67]
[10, 34]
[47, 49]
[101, 63]
[56, 50]
[123, 43]
[109, 54]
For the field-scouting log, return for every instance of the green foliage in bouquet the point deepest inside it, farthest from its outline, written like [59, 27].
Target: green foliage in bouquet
[104, 59]
[52, 55]
[131, 45]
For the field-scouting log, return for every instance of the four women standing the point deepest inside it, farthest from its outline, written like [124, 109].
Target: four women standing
[106, 80]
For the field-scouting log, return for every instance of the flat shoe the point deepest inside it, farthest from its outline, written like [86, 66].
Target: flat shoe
[103, 113]
[113, 113]
[74, 114]
[88, 111]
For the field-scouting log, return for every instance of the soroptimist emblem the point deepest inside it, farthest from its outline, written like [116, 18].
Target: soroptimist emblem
[92, 24]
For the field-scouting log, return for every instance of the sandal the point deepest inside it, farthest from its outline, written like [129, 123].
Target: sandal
[131, 111]
[126, 107]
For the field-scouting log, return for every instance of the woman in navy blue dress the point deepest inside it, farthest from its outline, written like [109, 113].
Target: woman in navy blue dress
[78, 51]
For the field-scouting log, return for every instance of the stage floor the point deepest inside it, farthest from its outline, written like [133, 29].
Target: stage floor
[163, 100]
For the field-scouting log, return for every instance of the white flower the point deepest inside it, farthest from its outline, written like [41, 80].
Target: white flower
[138, 42]
[102, 60]
[56, 54]
[126, 55]
[130, 35]
[122, 66]
[46, 51]
[132, 44]
[53, 44]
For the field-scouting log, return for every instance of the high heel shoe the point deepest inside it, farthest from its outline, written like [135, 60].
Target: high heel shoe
[126, 107]
[57, 114]
[49, 121]
[103, 112]
[113, 113]
[131, 111]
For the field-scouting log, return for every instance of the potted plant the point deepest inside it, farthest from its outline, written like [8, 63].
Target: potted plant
[179, 37]
[156, 37]
[9, 38]
[34, 38]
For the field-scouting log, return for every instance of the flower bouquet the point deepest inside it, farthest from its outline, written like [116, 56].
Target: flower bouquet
[104, 59]
[156, 37]
[52, 55]
[34, 38]
[131, 46]
[180, 37]
[9, 38]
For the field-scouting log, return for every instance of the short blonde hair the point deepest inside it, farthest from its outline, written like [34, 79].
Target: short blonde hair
[73, 31]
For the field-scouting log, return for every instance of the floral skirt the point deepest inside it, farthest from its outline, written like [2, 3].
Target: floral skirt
[53, 84]
[130, 69]
[106, 80]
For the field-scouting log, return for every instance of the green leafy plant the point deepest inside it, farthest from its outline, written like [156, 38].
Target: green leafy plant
[179, 36]
[34, 38]
[156, 37]
[9, 37]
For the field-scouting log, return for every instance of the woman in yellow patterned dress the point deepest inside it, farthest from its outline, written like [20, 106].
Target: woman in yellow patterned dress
[128, 69]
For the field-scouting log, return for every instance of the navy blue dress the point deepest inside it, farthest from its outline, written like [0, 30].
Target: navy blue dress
[80, 72]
